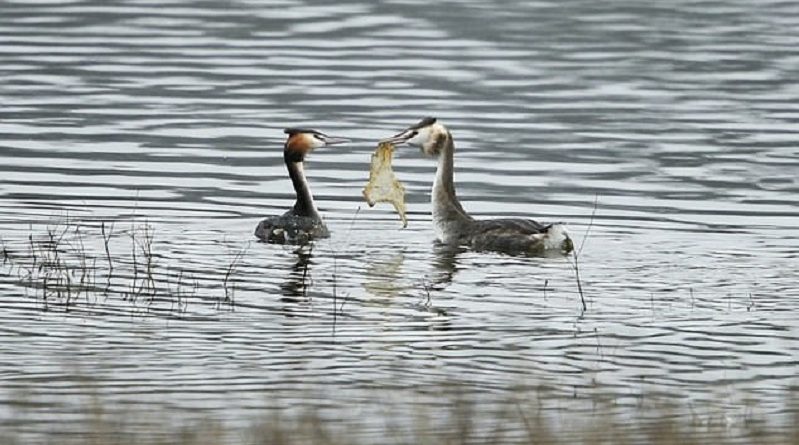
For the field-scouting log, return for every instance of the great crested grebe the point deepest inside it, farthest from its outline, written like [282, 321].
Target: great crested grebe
[302, 222]
[454, 226]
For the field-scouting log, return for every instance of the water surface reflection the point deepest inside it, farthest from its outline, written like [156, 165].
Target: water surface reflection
[681, 120]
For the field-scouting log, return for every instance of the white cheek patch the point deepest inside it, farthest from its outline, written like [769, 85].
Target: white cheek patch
[420, 138]
[316, 143]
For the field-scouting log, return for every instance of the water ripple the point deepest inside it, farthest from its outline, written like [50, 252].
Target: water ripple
[675, 127]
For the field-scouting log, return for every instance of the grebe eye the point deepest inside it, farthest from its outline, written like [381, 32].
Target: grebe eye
[319, 137]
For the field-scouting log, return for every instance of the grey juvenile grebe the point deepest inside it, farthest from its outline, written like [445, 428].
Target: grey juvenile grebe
[302, 222]
[454, 226]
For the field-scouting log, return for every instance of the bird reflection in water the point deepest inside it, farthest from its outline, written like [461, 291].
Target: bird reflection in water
[298, 281]
[445, 264]
[444, 267]
[384, 277]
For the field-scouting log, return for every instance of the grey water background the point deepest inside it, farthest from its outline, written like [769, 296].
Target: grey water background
[678, 119]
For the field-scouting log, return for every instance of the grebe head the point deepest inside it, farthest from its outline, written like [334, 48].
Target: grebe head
[428, 134]
[302, 141]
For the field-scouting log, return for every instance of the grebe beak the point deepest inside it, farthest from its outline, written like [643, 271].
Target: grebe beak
[335, 140]
[399, 138]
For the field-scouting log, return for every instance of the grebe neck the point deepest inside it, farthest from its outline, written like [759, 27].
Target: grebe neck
[305, 204]
[449, 218]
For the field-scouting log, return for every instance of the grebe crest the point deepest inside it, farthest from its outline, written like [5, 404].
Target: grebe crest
[451, 222]
[302, 222]
[429, 135]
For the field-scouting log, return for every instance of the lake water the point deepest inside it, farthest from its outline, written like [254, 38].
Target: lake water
[676, 126]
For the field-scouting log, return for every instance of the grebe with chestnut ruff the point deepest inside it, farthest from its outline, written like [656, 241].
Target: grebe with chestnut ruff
[302, 223]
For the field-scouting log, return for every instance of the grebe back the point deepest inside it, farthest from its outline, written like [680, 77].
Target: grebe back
[451, 222]
[302, 222]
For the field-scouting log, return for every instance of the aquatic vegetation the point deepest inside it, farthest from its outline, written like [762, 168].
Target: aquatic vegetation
[383, 185]
[83, 265]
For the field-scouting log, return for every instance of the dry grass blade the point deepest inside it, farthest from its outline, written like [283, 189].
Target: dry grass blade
[334, 275]
[590, 223]
[59, 269]
[6, 254]
[230, 290]
[134, 280]
[575, 263]
[106, 241]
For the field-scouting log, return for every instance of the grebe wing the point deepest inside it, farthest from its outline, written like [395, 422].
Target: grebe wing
[512, 236]
[291, 228]
[511, 225]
